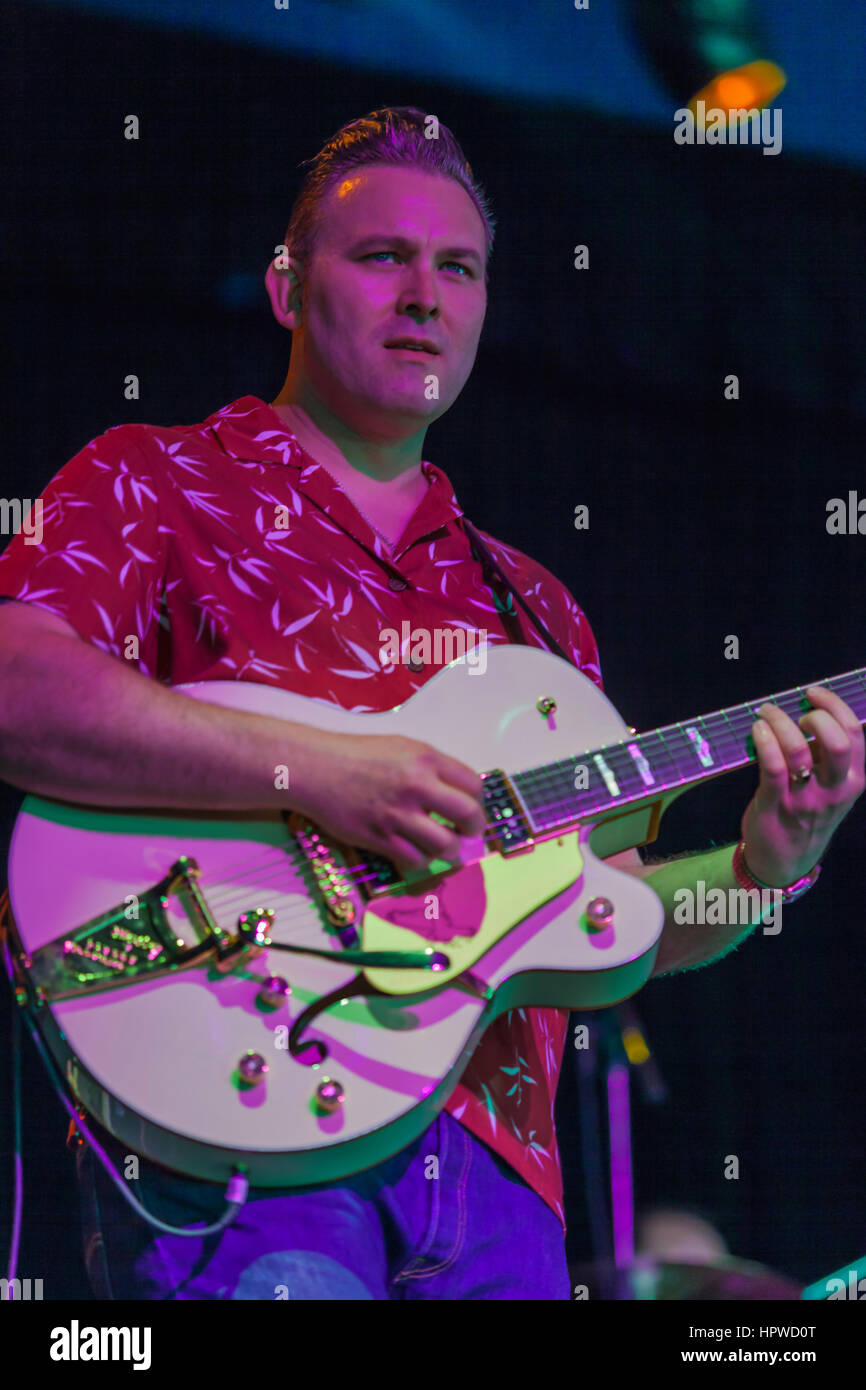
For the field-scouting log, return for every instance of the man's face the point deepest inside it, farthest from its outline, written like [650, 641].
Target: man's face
[398, 254]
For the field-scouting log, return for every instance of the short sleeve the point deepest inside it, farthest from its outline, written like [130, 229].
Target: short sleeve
[92, 551]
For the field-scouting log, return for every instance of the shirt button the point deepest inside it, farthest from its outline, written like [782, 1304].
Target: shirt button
[396, 583]
[414, 664]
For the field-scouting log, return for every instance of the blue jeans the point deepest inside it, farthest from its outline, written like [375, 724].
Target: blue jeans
[396, 1231]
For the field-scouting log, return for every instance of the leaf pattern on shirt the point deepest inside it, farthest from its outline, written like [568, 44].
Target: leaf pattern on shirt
[168, 534]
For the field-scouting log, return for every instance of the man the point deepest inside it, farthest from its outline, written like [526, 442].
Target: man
[169, 536]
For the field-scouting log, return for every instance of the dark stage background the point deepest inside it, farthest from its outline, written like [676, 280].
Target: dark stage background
[604, 387]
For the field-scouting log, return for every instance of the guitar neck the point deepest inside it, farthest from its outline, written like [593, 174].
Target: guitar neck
[644, 767]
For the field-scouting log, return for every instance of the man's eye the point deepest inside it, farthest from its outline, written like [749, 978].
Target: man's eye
[373, 255]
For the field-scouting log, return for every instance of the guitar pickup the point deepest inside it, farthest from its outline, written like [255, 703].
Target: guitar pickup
[505, 814]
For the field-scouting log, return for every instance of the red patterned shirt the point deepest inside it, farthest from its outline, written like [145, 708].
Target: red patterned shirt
[172, 535]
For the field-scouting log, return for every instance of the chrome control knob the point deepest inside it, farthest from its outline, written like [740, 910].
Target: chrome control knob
[274, 992]
[599, 913]
[252, 1068]
[330, 1096]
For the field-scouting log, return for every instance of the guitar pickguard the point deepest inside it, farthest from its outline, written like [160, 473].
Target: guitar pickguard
[468, 911]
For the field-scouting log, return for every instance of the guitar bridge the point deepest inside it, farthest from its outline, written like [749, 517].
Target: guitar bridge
[336, 874]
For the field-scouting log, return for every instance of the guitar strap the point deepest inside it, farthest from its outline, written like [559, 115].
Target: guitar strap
[493, 571]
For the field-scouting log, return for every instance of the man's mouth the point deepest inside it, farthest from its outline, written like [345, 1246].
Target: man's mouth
[419, 345]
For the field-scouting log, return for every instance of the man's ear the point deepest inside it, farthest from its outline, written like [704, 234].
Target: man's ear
[284, 286]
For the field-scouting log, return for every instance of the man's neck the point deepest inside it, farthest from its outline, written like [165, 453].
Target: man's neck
[332, 444]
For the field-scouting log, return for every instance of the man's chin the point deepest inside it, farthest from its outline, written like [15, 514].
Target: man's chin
[410, 408]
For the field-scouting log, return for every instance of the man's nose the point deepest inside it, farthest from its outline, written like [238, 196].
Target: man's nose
[419, 293]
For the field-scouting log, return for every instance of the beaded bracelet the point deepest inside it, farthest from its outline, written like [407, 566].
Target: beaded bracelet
[790, 892]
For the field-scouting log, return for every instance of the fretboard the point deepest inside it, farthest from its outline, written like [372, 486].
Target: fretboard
[645, 766]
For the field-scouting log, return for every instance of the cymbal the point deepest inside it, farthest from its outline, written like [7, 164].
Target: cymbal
[647, 1279]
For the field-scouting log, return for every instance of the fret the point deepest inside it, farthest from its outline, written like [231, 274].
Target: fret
[849, 691]
[736, 751]
[701, 745]
[661, 757]
[686, 756]
[852, 679]
[641, 762]
[793, 703]
[606, 780]
[740, 753]
[727, 739]
[625, 769]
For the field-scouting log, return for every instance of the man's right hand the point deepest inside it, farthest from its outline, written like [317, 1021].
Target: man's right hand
[377, 792]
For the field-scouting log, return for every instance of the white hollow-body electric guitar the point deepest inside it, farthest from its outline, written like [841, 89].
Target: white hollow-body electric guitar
[228, 990]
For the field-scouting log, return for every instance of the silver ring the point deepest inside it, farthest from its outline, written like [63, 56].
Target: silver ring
[800, 777]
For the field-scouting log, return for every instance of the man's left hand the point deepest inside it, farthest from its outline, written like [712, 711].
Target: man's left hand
[787, 825]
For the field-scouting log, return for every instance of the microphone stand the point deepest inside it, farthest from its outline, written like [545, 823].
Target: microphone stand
[617, 1041]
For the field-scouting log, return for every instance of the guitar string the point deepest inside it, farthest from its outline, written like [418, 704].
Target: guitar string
[362, 872]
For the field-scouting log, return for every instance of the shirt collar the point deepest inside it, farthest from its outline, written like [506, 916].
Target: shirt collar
[249, 430]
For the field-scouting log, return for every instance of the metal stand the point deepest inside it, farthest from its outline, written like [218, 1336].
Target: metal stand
[617, 1042]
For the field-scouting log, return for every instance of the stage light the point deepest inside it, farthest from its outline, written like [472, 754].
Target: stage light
[710, 51]
[754, 84]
